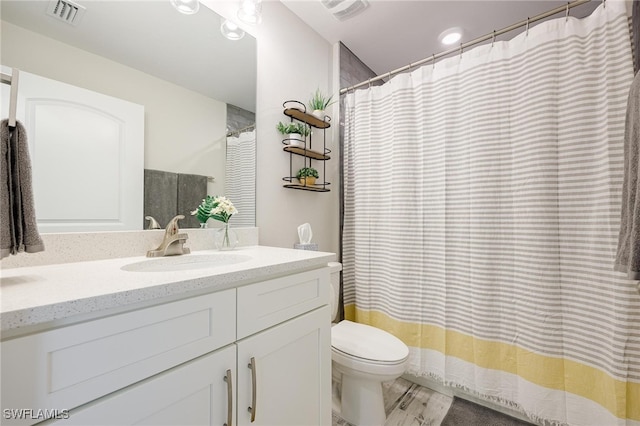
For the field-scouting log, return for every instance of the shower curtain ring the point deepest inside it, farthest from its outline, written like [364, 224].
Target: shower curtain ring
[461, 50]
[433, 61]
[493, 38]
[604, 4]
[369, 83]
[527, 25]
[566, 16]
[389, 76]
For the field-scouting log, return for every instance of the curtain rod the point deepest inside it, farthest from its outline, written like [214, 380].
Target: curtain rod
[244, 129]
[490, 36]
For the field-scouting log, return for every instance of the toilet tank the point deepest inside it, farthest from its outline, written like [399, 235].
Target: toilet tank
[334, 289]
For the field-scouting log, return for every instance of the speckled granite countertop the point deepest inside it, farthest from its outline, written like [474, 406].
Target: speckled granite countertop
[41, 294]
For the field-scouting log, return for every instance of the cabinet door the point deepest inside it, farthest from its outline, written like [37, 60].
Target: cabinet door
[291, 374]
[195, 393]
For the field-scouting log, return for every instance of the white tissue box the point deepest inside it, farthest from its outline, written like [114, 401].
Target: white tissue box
[310, 246]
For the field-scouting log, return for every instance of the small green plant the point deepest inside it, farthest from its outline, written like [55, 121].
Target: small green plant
[289, 128]
[203, 212]
[307, 172]
[320, 101]
[216, 207]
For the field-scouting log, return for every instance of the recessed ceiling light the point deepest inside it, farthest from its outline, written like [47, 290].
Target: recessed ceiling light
[231, 30]
[450, 36]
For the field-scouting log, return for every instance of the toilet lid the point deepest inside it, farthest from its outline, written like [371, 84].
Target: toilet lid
[364, 341]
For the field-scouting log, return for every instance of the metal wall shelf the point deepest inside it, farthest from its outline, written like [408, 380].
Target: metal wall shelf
[308, 153]
[311, 120]
[299, 113]
[315, 188]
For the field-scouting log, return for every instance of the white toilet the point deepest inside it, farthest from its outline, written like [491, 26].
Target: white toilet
[365, 356]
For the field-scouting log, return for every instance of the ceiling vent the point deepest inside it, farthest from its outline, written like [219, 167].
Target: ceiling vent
[65, 10]
[345, 9]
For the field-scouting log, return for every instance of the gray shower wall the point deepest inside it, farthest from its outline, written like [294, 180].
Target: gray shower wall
[238, 118]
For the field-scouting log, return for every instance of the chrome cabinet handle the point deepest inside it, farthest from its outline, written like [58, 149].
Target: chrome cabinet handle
[254, 391]
[229, 381]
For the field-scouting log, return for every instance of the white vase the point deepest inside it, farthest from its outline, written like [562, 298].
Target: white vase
[319, 114]
[225, 238]
[295, 139]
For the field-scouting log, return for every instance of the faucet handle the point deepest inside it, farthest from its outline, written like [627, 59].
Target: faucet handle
[153, 224]
[172, 226]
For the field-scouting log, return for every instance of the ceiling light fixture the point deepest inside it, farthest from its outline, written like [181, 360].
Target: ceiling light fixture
[188, 7]
[250, 11]
[450, 36]
[231, 30]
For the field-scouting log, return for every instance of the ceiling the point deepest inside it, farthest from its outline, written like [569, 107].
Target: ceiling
[187, 50]
[190, 51]
[390, 34]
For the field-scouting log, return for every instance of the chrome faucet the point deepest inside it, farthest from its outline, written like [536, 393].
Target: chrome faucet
[153, 223]
[173, 242]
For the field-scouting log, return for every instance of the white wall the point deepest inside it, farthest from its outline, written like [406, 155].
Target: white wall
[185, 135]
[293, 60]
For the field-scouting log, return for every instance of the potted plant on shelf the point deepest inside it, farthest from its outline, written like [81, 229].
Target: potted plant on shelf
[307, 176]
[295, 132]
[318, 103]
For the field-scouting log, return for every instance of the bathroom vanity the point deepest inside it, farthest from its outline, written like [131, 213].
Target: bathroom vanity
[185, 340]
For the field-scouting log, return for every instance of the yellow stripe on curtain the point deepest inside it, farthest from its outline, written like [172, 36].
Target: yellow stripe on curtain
[620, 398]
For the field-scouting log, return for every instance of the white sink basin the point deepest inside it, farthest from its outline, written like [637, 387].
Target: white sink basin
[186, 262]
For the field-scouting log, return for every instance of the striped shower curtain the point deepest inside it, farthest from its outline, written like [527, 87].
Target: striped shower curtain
[240, 177]
[482, 204]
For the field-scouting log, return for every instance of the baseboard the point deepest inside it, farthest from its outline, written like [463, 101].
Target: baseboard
[451, 391]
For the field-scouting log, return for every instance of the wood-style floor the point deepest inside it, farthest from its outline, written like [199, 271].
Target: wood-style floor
[406, 404]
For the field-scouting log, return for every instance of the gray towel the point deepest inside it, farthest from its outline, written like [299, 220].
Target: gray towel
[628, 256]
[191, 191]
[18, 228]
[160, 189]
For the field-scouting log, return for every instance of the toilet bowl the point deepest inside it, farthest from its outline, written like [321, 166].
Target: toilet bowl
[365, 357]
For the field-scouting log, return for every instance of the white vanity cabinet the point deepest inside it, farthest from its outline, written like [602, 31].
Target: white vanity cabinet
[287, 369]
[185, 362]
[286, 364]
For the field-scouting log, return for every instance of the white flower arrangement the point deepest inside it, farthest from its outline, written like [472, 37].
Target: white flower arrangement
[217, 207]
[223, 209]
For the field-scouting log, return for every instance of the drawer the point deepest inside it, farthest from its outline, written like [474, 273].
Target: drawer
[194, 393]
[63, 368]
[268, 303]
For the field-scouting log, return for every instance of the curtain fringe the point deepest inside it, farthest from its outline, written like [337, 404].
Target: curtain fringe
[511, 405]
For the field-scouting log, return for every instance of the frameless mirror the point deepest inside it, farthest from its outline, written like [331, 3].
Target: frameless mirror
[198, 89]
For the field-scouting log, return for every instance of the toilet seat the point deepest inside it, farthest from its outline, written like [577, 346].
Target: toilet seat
[367, 344]
[365, 350]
